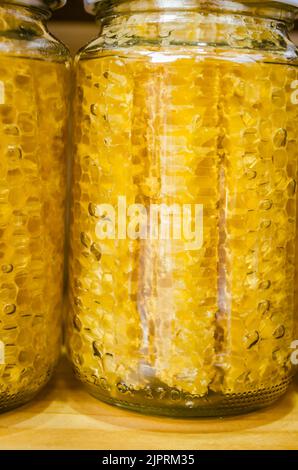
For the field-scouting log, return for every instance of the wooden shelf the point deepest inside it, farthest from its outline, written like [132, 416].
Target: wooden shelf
[64, 416]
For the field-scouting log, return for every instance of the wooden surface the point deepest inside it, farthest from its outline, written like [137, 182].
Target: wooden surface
[64, 416]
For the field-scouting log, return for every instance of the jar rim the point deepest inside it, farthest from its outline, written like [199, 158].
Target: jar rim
[91, 5]
[43, 4]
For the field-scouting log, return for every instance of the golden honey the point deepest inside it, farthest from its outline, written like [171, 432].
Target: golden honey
[154, 324]
[33, 111]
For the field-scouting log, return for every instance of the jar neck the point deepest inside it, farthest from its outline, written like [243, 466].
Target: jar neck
[218, 23]
[22, 22]
[44, 6]
[266, 9]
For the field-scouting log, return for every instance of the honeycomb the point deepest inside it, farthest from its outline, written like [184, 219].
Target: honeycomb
[32, 185]
[257, 249]
[150, 321]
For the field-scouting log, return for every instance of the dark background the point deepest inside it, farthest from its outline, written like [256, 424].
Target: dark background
[73, 11]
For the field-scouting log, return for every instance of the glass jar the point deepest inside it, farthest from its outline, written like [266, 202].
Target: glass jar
[184, 205]
[34, 70]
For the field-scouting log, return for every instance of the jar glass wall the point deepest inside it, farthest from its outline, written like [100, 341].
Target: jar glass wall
[184, 206]
[34, 69]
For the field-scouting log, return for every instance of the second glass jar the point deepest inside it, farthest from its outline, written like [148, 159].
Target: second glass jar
[184, 206]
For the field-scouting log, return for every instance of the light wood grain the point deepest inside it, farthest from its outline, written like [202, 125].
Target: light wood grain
[64, 416]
